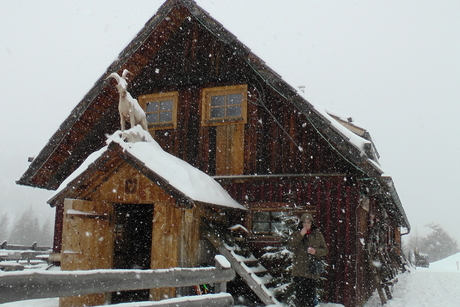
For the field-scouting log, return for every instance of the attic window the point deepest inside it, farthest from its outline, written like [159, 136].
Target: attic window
[160, 109]
[223, 105]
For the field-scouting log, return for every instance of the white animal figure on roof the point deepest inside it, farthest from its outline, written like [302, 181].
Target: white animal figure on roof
[129, 108]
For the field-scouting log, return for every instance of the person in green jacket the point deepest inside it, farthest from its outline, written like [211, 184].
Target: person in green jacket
[305, 244]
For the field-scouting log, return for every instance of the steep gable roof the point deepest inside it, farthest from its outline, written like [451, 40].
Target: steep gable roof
[83, 131]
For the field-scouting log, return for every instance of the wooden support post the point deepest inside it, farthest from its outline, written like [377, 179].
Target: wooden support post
[221, 263]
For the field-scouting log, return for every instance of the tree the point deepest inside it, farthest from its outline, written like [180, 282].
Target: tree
[26, 230]
[280, 260]
[4, 223]
[438, 244]
[46, 234]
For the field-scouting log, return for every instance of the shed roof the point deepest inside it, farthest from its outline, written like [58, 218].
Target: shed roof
[136, 147]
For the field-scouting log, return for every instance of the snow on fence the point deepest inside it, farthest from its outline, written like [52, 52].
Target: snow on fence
[46, 284]
[34, 247]
[11, 255]
[206, 300]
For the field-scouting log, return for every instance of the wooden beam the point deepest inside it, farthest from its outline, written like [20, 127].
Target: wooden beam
[207, 300]
[58, 284]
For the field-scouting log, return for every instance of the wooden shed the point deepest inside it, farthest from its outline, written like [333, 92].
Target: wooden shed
[214, 105]
[134, 206]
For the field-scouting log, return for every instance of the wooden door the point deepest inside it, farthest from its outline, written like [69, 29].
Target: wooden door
[87, 243]
[230, 150]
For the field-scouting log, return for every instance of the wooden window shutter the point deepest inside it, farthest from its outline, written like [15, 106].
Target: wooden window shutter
[230, 150]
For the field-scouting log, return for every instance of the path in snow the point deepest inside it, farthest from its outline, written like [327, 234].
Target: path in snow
[423, 287]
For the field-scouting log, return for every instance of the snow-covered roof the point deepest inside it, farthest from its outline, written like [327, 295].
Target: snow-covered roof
[348, 144]
[185, 178]
[85, 124]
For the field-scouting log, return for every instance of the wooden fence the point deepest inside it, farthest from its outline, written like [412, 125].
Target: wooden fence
[34, 247]
[33, 254]
[46, 284]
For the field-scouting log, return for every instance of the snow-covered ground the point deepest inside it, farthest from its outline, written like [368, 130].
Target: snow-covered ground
[436, 286]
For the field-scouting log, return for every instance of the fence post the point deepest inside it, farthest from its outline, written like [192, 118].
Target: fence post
[221, 263]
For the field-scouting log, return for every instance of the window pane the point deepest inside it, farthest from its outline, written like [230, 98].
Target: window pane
[279, 226]
[166, 116]
[217, 112]
[260, 227]
[218, 100]
[152, 106]
[152, 117]
[166, 105]
[278, 215]
[261, 216]
[235, 98]
[233, 111]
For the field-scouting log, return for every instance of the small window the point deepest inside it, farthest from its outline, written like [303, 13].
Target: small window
[222, 105]
[160, 109]
[268, 222]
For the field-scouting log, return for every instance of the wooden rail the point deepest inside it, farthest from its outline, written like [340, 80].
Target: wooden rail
[206, 300]
[16, 287]
[33, 247]
[21, 252]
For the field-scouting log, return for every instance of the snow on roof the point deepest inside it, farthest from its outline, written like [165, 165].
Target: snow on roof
[353, 138]
[187, 179]
[277, 66]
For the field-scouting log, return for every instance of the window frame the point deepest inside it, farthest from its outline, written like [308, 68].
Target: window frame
[286, 207]
[208, 93]
[271, 221]
[174, 96]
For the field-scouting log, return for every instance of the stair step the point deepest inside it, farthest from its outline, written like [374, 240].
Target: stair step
[251, 263]
[249, 268]
[264, 279]
[257, 269]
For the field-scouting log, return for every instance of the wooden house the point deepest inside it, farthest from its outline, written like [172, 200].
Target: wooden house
[214, 105]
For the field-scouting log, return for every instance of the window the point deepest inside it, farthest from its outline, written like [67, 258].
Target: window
[160, 109]
[222, 105]
[267, 222]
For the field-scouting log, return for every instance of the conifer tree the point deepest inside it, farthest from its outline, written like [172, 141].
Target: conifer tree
[46, 234]
[26, 230]
[438, 244]
[280, 259]
[4, 223]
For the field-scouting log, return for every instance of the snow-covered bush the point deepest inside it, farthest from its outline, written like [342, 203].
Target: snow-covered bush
[279, 261]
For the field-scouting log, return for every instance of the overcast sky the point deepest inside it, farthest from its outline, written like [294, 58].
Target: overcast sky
[394, 66]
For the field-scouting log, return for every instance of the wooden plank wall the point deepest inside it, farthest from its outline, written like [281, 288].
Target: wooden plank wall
[335, 204]
[191, 60]
[175, 231]
[266, 148]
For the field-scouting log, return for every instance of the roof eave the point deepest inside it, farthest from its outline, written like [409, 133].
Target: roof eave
[115, 148]
[38, 163]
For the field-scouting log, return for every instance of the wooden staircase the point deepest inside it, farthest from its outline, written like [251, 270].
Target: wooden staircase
[249, 268]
